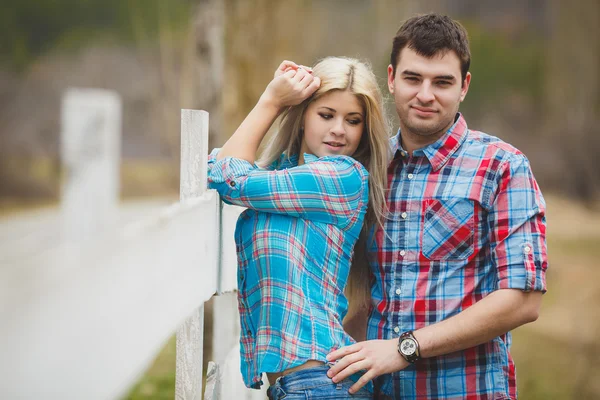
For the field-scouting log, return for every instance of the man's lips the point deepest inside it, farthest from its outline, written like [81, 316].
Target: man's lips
[424, 110]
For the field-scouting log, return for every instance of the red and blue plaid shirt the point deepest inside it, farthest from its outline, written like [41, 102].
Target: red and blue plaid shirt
[466, 219]
[294, 246]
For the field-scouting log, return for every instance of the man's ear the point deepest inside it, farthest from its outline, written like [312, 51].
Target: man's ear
[390, 80]
[465, 86]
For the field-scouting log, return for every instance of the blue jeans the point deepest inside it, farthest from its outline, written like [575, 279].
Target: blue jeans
[313, 383]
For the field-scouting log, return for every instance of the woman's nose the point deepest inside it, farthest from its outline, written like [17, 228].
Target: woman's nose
[338, 127]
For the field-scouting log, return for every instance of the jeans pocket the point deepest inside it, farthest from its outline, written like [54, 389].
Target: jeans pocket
[448, 229]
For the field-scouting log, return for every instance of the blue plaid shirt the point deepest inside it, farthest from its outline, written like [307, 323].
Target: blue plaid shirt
[294, 246]
[466, 218]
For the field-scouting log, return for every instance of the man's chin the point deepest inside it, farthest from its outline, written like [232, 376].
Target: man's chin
[424, 129]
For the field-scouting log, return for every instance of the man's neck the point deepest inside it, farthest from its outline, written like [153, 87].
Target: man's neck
[411, 141]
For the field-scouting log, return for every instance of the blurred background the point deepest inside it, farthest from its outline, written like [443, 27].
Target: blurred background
[536, 84]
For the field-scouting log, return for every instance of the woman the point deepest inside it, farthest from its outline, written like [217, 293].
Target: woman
[321, 176]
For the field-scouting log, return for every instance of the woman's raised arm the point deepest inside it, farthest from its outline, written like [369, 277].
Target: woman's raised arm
[291, 85]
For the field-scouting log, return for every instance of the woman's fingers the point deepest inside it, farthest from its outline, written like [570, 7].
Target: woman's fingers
[312, 87]
[284, 67]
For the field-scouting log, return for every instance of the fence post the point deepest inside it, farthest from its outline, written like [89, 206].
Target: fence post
[194, 150]
[90, 155]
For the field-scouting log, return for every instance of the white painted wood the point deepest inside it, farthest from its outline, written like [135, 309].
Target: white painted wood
[73, 332]
[231, 376]
[194, 151]
[226, 346]
[29, 234]
[213, 382]
[90, 153]
[226, 326]
[85, 317]
[228, 274]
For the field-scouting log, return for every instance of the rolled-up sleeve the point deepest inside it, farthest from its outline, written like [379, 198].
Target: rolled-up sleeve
[328, 189]
[517, 225]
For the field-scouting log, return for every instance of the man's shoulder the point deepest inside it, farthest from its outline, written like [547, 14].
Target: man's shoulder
[492, 146]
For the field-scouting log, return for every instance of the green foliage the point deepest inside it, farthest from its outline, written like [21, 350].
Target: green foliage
[28, 28]
[502, 64]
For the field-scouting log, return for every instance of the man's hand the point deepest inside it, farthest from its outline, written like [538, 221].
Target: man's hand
[377, 357]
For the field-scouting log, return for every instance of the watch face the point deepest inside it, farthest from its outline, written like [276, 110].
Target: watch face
[408, 347]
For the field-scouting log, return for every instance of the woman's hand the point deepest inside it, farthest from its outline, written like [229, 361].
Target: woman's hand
[286, 66]
[291, 85]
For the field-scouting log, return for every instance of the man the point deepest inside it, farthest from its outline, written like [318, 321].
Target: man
[461, 259]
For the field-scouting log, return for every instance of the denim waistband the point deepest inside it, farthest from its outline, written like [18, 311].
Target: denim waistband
[306, 378]
[309, 378]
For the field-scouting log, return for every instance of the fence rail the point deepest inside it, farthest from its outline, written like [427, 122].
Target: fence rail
[85, 318]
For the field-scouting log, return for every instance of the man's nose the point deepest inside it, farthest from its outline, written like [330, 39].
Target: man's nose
[425, 94]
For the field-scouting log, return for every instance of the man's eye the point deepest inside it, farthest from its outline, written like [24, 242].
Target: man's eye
[444, 83]
[412, 78]
[326, 116]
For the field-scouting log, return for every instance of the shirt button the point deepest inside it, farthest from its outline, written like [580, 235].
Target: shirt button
[249, 332]
[396, 329]
[232, 184]
[404, 215]
[527, 249]
[402, 253]
[241, 277]
[398, 291]
[403, 153]
[410, 176]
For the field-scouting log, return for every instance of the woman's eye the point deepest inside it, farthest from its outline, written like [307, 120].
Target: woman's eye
[354, 121]
[326, 116]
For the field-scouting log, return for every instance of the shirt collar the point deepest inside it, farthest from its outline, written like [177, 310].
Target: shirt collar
[292, 161]
[439, 152]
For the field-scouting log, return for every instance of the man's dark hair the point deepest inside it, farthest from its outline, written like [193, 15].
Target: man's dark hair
[430, 34]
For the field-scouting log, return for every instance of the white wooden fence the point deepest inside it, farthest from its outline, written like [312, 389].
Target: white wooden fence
[84, 318]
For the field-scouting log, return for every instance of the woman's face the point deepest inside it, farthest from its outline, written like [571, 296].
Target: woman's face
[333, 125]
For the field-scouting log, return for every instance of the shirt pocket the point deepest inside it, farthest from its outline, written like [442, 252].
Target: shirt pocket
[448, 229]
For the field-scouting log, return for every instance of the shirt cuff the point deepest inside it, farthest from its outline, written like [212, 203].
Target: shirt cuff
[530, 275]
[228, 170]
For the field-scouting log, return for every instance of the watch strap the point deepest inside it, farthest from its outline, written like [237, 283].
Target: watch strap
[414, 357]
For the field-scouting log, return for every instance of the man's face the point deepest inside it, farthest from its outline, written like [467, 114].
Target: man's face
[427, 92]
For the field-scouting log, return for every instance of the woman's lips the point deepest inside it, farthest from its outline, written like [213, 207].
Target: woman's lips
[334, 146]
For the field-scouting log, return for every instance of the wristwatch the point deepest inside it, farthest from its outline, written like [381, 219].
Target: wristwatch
[408, 347]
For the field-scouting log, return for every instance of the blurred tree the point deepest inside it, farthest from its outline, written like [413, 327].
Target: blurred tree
[573, 96]
[29, 28]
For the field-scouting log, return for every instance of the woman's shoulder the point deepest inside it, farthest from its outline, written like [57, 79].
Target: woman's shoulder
[341, 163]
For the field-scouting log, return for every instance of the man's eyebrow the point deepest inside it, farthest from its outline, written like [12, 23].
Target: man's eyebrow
[411, 73]
[445, 77]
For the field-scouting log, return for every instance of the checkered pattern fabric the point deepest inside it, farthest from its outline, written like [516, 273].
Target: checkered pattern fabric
[466, 218]
[294, 245]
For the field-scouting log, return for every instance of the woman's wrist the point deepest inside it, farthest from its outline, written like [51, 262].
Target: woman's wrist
[269, 103]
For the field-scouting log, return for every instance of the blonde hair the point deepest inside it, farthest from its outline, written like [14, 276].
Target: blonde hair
[357, 77]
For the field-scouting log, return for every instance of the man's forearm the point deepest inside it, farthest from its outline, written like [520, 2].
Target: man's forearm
[490, 317]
